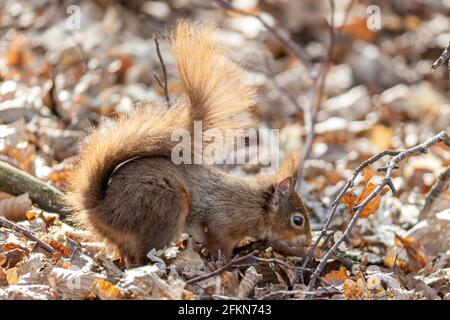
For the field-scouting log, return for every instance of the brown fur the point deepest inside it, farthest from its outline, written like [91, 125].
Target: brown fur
[127, 190]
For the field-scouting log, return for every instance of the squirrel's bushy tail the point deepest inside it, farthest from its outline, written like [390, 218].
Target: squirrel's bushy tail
[217, 97]
[212, 83]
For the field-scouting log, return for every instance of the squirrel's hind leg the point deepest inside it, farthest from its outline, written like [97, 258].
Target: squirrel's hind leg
[168, 203]
[145, 207]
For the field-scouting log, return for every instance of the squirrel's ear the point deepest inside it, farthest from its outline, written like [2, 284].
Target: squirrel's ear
[282, 190]
[285, 186]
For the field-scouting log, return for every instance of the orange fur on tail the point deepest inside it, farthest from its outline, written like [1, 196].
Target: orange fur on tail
[212, 83]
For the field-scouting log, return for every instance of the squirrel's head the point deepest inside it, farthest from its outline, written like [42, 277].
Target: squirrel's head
[289, 218]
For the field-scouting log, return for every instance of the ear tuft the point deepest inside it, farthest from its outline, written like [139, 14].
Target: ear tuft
[281, 191]
[285, 186]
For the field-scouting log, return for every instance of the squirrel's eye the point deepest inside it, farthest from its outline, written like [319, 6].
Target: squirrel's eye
[297, 220]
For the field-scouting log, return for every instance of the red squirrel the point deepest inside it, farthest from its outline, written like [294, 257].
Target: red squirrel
[126, 189]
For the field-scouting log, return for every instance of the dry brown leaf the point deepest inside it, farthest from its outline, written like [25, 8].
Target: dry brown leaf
[12, 245]
[367, 174]
[13, 257]
[352, 201]
[31, 214]
[24, 154]
[56, 256]
[228, 281]
[357, 289]
[145, 282]
[27, 292]
[248, 283]
[336, 278]
[433, 233]
[416, 253]
[373, 282]
[3, 281]
[59, 177]
[12, 276]
[333, 177]
[105, 290]
[373, 204]
[15, 55]
[416, 285]
[358, 29]
[352, 290]
[392, 257]
[74, 284]
[349, 199]
[64, 250]
[189, 263]
[15, 208]
[34, 263]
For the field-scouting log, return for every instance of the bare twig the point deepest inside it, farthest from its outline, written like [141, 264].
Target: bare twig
[316, 92]
[443, 58]
[294, 48]
[280, 262]
[30, 235]
[387, 181]
[248, 282]
[221, 269]
[163, 67]
[350, 183]
[348, 10]
[316, 96]
[270, 74]
[438, 188]
[285, 91]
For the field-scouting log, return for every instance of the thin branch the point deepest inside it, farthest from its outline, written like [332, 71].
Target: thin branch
[280, 262]
[163, 67]
[348, 10]
[316, 92]
[294, 48]
[221, 269]
[30, 235]
[285, 91]
[316, 96]
[387, 180]
[270, 74]
[438, 188]
[443, 58]
[350, 183]
[159, 81]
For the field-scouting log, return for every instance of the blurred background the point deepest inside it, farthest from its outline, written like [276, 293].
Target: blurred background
[341, 80]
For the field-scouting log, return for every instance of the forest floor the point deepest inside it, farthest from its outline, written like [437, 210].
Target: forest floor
[337, 82]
